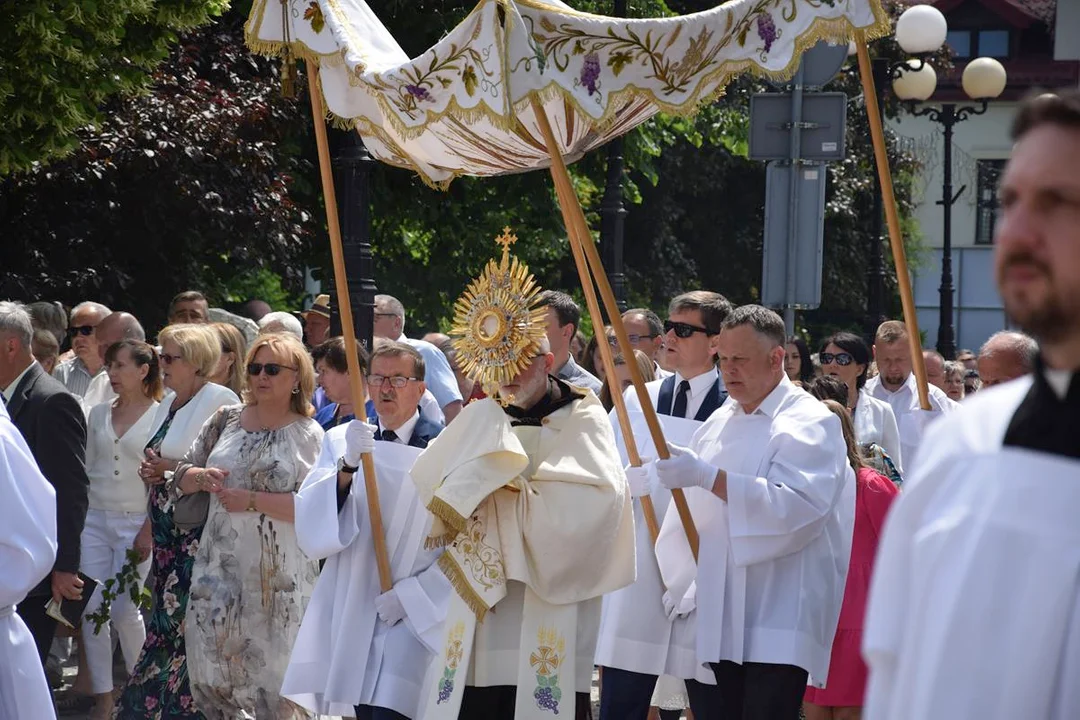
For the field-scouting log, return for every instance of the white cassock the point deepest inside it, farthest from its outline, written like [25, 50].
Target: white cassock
[27, 553]
[875, 422]
[635, 632]
[773, 559]
[344, 654]
[974, 607]
[911, 419]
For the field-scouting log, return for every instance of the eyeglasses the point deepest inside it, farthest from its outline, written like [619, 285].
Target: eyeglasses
[397, 381]
[272, 369]
[684, 330]
[84, 330]
[634, 338]
[168, 359]
[842, 359]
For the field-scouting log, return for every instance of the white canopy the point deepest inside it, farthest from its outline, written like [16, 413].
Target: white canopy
[463, 106]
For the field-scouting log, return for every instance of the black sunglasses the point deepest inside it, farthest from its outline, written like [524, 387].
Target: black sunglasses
[84, 330]
[684, 330]
[272, 369]
[842, 358]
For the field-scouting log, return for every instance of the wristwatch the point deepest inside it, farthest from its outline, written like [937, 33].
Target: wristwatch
[344, 467]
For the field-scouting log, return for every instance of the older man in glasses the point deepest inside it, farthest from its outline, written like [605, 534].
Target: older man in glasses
[396, 384]
[77, 372]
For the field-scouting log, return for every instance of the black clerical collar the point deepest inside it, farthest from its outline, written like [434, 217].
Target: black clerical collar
[558, 395]
[1044, 421]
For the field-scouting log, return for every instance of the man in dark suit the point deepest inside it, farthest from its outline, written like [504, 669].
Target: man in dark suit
[52, 422]
[396, 382]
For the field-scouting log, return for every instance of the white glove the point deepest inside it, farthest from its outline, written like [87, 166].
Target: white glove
[639, 479]
[389, 607]
[682, 608]
[684, 469]
[359, 439]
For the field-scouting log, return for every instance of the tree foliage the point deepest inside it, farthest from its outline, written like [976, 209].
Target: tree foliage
[60, 60]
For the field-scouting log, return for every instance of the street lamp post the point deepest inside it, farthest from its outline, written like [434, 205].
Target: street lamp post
[353, 166]
[983, 80]
[612, 210]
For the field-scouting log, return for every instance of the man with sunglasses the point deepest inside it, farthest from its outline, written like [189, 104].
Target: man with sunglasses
[77, 372]
[642, 634]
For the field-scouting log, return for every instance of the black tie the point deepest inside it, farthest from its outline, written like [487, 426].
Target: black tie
[389, 435]
[679, 408]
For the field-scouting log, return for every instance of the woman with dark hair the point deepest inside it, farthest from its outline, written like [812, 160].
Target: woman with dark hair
[847, 356]
[116, 433]
[621, 381]
[591, 357]
[842, 696]
[332, 375]
[797, 363]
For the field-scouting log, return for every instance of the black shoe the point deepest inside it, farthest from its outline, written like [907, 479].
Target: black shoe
[54, 674]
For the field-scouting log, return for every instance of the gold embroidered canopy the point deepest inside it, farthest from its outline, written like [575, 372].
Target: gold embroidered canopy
[463, 107]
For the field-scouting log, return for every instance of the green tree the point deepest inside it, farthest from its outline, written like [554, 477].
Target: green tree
[60, 60]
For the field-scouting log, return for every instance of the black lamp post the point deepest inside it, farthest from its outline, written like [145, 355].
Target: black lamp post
[612, 210]
[352, 170]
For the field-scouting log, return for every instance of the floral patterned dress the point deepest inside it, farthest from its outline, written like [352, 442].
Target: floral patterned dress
[251, 582]
[158, 686]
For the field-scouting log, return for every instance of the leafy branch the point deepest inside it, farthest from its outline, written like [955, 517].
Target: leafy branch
[125, 581]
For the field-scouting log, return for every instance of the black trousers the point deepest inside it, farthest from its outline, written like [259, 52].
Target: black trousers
[370, 712]
[751, 691]
[41, 626]
[625, 695]
[497, 703]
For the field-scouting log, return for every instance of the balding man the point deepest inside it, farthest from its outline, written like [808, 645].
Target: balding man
[115, 327]
[935, 368]
[1006, 356]
[76, 373]
[441, 382]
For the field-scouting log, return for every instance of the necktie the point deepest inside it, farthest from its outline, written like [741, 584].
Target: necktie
[679, 408]
[389, 436]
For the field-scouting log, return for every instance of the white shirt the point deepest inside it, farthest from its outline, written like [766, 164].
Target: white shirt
[773, 558]
[699, 388]
[112, 463]
[9, 391]
[974, 608]
[875, 422]
[660, 373]
[438, 375]
[75, 375]
[189, 419]
[99, 391]
[404, 433]
[27, 553]
[911, 419]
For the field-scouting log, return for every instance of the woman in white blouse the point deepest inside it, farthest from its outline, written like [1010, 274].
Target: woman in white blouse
[189, 356]
[847, 356]
[116, 435]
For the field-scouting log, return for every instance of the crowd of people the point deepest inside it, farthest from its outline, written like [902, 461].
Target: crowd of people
[213, 469]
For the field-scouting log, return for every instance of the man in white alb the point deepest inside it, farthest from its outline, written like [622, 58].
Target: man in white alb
[974, 607]
[641, 637]
[775, 531]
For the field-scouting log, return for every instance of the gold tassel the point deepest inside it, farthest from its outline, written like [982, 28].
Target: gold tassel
[288, 76]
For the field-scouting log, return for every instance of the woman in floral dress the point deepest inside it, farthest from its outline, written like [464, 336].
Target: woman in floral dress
[251, 582]
[157, 688]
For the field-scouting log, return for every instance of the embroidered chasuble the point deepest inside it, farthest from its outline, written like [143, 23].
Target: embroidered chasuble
[533, 510]
[974, 607]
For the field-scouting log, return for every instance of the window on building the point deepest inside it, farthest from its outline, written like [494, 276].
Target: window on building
[967, 44]
[960, 42]
[994, 43]
[989, 174]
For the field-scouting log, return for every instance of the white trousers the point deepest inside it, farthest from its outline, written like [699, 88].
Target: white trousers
[106, 538]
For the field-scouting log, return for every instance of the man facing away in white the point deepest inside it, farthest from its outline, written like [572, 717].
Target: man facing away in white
[360, 650]
[775, 529]
[27, 552]
[895, 384]
[974, 607]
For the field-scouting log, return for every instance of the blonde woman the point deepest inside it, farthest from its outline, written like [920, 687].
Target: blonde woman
[229, 372]
[158, 686]
[251, 582]
[622, 377]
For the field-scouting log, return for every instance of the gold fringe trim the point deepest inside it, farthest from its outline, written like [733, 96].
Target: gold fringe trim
[462, 587]
[445, 512]
[434, 542]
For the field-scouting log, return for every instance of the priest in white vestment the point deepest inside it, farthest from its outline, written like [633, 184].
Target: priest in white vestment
[775, 525]
[974, 608]
[360, 650]
[27, 553]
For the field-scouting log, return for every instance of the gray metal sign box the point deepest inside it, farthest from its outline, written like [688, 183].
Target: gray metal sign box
[823, 134]
[810, 233]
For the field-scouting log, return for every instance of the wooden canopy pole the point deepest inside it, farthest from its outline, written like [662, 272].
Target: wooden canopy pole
[574, 217]
[356, 384]
[647, 508]
[892, 217]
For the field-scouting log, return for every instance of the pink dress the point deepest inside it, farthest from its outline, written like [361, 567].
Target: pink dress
[846, 684]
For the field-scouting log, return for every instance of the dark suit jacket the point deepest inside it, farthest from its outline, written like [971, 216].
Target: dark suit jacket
[52, 422]
[714, 399]
[423, 433]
